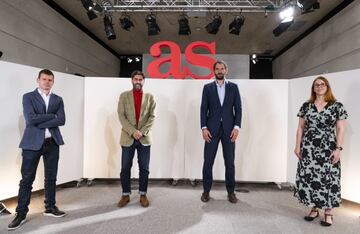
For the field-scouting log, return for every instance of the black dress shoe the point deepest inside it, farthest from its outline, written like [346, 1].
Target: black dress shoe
[311, 218]
[205, 197]
[54, 212]
[232, 198]
[19, 220]
[324, 222]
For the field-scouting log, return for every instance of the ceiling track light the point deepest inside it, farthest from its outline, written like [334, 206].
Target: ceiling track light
[283, 26]
[91, 8]
[308, 6]
[287, 12]
[109, 30]
[236, 24]
[153, 27]
[214, 25]
[184, 28]
[126, 23]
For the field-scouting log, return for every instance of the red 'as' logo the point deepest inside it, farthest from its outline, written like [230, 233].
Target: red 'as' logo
[174, 60]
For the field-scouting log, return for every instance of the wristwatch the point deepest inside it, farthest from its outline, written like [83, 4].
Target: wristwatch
[339, 148]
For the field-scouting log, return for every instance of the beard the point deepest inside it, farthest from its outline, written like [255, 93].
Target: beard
[137, 86]
[219, 76]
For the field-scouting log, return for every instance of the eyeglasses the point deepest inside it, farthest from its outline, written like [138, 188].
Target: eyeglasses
[322, 85]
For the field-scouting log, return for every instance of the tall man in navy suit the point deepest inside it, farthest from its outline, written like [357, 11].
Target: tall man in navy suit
[220, 115]
[44, 113]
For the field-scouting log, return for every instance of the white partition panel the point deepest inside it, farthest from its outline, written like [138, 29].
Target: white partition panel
[261, 147]
[264, 150]
[261, 151]
[102, 151]
[345, 86]
[15, 81]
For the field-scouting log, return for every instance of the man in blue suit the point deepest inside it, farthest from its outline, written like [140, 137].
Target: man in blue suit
[220, 115]
[44, 113]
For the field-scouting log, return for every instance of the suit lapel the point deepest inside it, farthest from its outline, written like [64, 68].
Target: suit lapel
[51, 103]
[132, 102]
[40, 100]
[142, 106]
[217, 94]
[227, 89]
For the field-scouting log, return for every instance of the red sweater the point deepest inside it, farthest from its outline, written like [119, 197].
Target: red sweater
[137, 102]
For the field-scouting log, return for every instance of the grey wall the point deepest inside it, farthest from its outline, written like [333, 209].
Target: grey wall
[239, 67]
[34, 34]
[333, 47]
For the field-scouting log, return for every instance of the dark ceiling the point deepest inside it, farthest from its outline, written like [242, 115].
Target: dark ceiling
[255, 37]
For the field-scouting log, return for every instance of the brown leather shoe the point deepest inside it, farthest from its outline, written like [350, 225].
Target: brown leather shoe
[123, 201]
[144, 201]
[232, 198]
[205, 197]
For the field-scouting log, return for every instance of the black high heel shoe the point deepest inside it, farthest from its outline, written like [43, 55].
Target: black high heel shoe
[310, 218]
[324, 223]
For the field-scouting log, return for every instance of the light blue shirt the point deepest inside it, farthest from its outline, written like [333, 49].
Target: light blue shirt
[221, 91]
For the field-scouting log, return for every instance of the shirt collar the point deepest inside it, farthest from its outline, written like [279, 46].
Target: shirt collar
[225, 82]
[42, 93]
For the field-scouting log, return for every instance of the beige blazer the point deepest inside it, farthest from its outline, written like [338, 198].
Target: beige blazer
[127, 117]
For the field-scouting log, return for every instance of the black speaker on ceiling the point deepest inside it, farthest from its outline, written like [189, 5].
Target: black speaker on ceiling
[130, 63]
[1, 53]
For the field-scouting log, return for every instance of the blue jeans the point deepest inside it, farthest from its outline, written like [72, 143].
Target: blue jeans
[143, 153]
[30, 161]
[210, 150]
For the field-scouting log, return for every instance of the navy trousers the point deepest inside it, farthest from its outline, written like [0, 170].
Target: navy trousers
[30, 161]
[127, 156]
[210, 150]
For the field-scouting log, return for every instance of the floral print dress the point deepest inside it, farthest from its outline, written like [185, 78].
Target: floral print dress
[317, 179]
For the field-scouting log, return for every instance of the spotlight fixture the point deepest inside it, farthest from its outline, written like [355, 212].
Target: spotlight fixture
[283, 26]
[236, 24]
[109, 30]
[287, 19]
[254, 58]
[91, 7]
[126, 23]
[1, 53]
[213, 26]
[184, 28]
[153, 27]
[308, 5]
[287, 13]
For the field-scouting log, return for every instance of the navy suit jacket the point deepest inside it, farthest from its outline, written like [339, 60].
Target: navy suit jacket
[212, 113]
[38, 119]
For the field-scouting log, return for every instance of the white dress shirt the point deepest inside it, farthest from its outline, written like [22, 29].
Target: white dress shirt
[46, 99]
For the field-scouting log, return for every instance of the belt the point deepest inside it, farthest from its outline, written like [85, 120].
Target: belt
[49, 140]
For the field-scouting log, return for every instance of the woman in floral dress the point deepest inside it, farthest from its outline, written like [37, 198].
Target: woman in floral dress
[319, 142]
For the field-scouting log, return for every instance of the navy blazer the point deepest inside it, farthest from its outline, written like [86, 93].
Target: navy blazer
[38, 119]
[212, 113]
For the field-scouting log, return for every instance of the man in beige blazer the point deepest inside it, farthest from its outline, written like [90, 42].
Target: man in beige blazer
[136, 110]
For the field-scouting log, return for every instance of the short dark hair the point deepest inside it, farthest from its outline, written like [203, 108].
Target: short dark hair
[46, 72]
[136, 72]
[219, 62]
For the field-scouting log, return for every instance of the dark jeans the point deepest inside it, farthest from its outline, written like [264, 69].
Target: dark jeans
[210, 150]
[143, 153]
[30, 161]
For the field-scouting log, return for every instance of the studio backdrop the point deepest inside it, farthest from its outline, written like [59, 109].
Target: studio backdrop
[264, 149]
